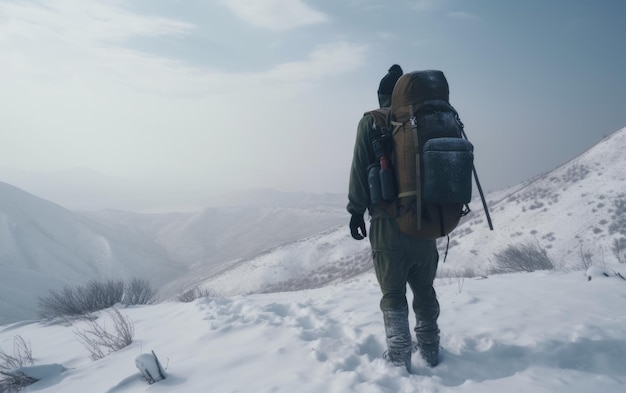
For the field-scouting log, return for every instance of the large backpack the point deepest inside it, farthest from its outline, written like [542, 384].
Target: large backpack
[432, 159]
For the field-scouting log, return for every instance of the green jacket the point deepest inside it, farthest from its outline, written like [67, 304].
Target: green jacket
[358, 191]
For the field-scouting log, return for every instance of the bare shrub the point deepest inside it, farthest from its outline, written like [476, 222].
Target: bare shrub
[458, 276]
[192, 294]
[524, 257]
[11, 381]
[81, 300]
[94, 296]
[100, 342]
[586, 259]
[466, 272]
[22, 355]
[59, 303]
[139, 291]
[14, 381]
[618, 216]
[619, 249]
[100, 295]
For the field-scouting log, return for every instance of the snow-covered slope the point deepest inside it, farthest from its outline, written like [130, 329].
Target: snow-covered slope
[218, 238]
[508, 333]
[579, 205]
[44, 246]
[42, 240]
[312, 262]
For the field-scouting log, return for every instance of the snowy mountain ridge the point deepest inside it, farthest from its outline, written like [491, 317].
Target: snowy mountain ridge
[579, 205]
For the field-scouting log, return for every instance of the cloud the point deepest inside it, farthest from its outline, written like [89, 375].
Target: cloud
[369, 5]
[173, 77]
[462, 15]
[324, 61]
[77, 94]
[90, 21]
[387, 35]
[57, 42]
[423, 5]
[276, 15]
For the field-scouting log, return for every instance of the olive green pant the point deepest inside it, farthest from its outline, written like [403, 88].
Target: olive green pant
[400, 260]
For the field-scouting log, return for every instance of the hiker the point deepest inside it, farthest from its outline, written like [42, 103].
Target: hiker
[398, 259]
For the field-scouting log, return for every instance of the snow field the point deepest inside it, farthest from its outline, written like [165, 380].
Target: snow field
[532, 332]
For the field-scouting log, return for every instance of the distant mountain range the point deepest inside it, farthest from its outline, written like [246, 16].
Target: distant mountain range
[264, 240]
[213, 240]
[81, 189]
[41, 241]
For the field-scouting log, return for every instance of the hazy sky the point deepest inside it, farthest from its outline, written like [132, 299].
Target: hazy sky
[226, 94]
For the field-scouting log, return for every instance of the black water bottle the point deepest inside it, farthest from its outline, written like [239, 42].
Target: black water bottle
[373, 179]
[387, 181]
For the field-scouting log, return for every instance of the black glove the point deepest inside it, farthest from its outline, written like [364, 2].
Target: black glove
[357, 222]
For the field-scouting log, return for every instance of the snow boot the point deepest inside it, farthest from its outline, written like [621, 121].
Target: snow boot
[427, 334]
[398, 338]
[428, 347]
[398, 359]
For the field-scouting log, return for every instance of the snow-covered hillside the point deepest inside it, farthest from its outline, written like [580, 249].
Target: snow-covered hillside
[43, 242]
[223, 234]
[312, 262]
[581, 204]
[542, 332]
[217, 238]
[44, 246]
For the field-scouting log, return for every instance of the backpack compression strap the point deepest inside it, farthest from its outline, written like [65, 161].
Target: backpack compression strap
[418, 183]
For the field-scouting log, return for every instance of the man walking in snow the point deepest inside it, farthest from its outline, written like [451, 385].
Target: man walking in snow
[398, 259]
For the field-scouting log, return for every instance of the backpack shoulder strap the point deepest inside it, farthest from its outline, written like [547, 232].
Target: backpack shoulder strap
[380, 116]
